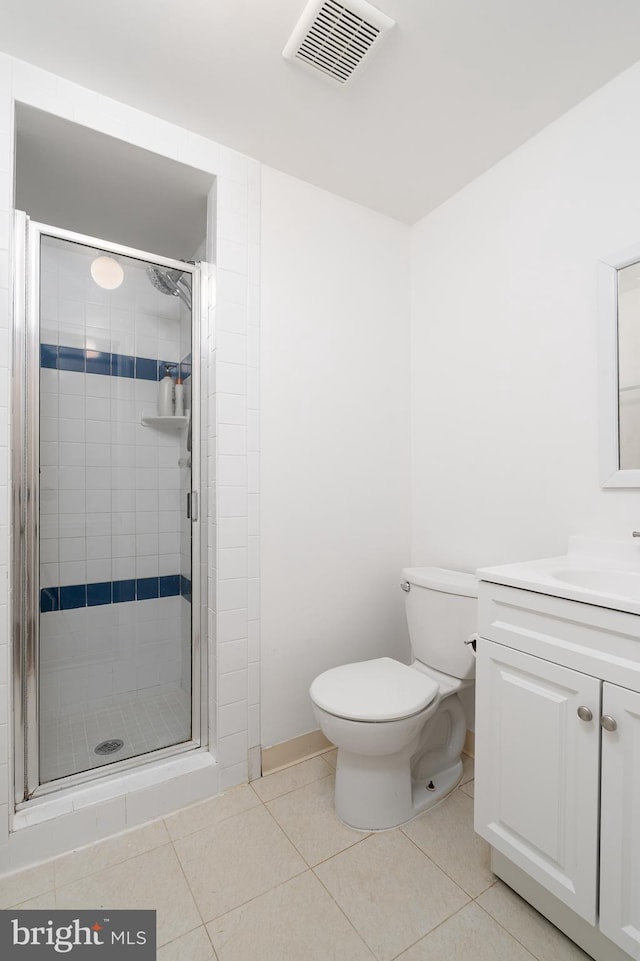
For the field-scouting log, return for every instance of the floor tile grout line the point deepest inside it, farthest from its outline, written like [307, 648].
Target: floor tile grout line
[535, 957]
[343, 912]
[42, 894]
[469, 901]
[513, 935]
[4, 878]
[433, 929]
[184, 935]
[205, 827]
[189, 888]
[461, 787]
[297, 787]
[107, 840]
[215, 953]
[471, 897]
[323, 860]
[157, 847]
[107, 867]
[349, 847]
[290, 840]
[255, 896]
[195, 901]
[401, 827]
[458, 911]
[464, 780]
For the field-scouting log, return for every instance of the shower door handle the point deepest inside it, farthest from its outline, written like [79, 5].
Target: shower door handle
[192, 505]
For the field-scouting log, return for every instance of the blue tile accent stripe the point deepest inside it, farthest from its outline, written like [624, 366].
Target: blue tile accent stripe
[111, 365]
[74, 596]
[113, 592]
[49, 599]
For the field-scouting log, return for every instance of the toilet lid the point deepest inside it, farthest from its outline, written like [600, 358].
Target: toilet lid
[378, 690]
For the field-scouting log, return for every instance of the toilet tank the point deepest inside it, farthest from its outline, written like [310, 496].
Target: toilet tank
[441, 608]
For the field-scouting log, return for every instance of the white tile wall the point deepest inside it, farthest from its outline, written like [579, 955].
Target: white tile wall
[233, 309]
[92, 656]
[101, 444]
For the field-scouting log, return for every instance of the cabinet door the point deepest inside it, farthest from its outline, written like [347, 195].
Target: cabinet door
[620, 821]
[537, 770]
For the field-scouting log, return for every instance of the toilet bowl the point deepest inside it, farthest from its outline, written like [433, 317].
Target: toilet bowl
[399, 728]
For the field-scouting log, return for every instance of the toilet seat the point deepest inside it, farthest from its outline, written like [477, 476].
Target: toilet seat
[379, 690]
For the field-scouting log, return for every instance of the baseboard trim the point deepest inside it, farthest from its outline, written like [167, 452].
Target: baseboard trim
[310, 745]
[470, 744]
[291, 752]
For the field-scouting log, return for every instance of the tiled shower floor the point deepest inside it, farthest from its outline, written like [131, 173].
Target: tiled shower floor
[144, 721]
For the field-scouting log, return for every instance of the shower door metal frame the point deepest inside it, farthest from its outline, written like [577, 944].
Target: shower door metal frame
[25, 495]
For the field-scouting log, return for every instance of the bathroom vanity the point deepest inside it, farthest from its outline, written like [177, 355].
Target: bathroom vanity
[558, 739]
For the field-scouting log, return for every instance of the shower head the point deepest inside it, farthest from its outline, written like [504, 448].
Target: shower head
[170, 282]
[164, 280]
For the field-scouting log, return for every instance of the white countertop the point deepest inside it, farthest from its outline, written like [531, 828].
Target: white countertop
[592, 556]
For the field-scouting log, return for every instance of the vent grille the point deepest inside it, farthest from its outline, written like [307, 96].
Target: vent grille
[334, 38]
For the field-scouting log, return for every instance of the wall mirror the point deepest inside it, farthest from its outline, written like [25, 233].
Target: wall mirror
[619, 357]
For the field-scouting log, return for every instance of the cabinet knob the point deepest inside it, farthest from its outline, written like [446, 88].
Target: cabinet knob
[584, 713]
[608, 723]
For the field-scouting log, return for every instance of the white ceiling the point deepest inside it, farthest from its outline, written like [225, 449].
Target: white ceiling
[456, 86]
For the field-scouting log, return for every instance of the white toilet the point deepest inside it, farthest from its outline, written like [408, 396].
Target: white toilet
[400, 729]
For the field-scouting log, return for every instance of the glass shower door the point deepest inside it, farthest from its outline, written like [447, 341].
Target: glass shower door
[114, 667]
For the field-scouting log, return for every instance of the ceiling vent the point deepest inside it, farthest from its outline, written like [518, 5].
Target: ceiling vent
[335, 38]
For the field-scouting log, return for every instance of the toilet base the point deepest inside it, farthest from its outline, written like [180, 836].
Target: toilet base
[368, 798]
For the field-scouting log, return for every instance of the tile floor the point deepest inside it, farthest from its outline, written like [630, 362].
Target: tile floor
[266, 872]
[144, 721]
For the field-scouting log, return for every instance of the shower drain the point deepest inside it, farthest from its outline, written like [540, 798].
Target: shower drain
[109, 747]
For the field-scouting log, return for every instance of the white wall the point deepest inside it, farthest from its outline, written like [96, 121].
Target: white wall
[335, 442]
[504, 354]
[504, 359]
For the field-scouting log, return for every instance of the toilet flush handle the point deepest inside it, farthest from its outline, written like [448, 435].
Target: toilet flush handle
[406, 586]
[472, 641]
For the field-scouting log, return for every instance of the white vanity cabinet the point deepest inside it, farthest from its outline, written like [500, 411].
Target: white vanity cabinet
[557, 794]
[620, 822]
[537, 793]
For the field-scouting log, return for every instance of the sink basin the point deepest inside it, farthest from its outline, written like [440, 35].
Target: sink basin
[593, 571]
[619, 583]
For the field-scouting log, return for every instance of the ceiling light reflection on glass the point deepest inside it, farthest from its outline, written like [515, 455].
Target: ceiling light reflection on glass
[107, 273]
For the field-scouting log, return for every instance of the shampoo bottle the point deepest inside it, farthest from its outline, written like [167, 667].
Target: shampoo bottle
[179, 396]
[165, 394]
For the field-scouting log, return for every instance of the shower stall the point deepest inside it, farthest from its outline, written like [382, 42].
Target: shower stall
[107, 621]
